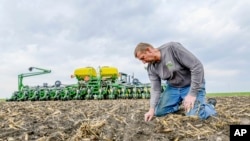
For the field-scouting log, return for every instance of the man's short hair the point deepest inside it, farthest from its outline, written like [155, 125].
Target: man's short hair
[141, 47]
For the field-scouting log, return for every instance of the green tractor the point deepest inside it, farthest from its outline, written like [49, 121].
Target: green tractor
[107, 83]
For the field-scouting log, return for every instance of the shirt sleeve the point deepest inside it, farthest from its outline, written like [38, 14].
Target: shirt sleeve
[188, 60]
[155, 90]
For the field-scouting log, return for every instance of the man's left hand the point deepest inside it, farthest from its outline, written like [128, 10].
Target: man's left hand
[189, 102]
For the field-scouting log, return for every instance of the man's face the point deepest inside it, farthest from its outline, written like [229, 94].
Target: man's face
[146, 56]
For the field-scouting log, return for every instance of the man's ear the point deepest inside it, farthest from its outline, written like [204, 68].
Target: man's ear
[149, 49]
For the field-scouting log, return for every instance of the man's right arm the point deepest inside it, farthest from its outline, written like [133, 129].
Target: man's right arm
[154, 98]
[155, 92]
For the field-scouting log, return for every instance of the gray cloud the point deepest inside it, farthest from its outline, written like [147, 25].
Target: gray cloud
[63, 35]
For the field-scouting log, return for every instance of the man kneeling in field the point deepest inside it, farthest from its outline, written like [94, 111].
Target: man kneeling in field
[184, 74]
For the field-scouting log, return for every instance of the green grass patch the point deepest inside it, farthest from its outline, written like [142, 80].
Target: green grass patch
[2, 100]
[229, 94]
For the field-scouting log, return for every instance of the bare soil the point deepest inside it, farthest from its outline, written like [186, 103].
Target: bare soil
[118, 120]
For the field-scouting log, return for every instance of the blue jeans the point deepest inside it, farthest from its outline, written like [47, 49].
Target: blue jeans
[172, 97]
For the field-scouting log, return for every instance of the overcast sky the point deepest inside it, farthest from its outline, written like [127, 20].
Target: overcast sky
[62, 35]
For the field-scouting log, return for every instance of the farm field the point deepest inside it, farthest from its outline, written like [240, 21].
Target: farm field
[118, 120]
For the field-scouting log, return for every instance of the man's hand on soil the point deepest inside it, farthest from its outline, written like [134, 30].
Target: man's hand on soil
[149, 115]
